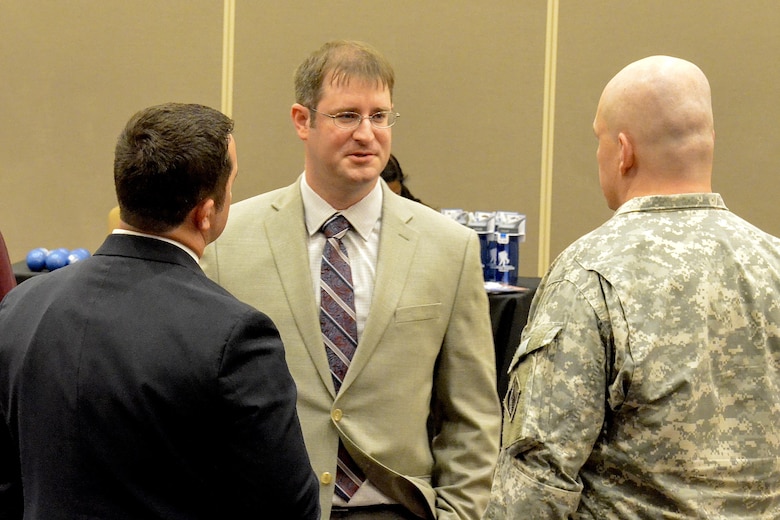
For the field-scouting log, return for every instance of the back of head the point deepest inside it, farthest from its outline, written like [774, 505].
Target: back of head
[340, 61]
[169, 158]
[394, 176]
[664, 106]
[393, 171]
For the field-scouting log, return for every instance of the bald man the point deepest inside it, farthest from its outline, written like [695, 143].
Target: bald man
[646, 383]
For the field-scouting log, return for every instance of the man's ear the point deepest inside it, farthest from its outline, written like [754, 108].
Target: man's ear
[203, 214]
[626, 153]
[300, 117]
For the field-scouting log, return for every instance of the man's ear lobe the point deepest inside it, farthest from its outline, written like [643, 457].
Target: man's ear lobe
[300, 118]
[626, 153]
[204, 212]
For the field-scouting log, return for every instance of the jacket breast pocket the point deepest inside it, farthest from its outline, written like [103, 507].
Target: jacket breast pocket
[429, 311]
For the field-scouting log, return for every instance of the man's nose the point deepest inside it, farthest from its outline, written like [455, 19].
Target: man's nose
[364, 130]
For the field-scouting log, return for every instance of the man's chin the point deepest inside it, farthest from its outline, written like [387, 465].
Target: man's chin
[363, 173]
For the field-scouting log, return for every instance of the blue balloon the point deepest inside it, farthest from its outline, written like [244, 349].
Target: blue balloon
[77, 255]
[36, 259]
[57, 259]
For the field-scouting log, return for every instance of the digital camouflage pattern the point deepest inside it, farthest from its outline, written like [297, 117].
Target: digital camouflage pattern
[646, 383]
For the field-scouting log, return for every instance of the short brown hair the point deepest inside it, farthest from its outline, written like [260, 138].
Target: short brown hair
[168, 159]
[345, 60]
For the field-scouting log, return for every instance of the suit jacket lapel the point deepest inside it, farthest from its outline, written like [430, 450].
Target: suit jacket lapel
[397, 242]
[291, 258]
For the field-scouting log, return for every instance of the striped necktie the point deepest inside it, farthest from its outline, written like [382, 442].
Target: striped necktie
[338, 322]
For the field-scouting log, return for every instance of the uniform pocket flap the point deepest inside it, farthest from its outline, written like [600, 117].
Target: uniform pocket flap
[536, 338]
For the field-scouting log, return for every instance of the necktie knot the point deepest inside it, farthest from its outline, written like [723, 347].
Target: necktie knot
[336, 227]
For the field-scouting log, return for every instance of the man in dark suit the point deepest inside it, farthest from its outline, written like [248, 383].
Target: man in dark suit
[131, 385]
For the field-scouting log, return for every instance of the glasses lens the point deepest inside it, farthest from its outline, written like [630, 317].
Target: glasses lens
[347, 119]
[384, 119]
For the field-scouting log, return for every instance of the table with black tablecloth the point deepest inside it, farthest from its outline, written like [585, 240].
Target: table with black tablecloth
[22, 272]
[509, 314]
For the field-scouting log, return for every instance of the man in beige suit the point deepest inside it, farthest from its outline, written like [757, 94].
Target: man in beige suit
[417, 410]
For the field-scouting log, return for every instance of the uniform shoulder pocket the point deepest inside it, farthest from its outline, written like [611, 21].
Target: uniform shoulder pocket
[521, 369]
[534, 339]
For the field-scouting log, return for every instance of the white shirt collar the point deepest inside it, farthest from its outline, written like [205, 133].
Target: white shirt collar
[157, 237]
[361, 215]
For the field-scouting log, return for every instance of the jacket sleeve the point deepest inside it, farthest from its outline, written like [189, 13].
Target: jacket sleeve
[466, 407]
[10, 476]
[553, 411]
[264, 457]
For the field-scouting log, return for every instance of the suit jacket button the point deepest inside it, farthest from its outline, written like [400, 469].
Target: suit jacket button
[326, 478]
[337, 414]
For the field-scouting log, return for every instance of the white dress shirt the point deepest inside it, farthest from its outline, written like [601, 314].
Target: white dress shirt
[362, 243]
[157, 237]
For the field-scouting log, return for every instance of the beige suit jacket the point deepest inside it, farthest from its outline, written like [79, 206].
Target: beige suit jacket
[426, 350]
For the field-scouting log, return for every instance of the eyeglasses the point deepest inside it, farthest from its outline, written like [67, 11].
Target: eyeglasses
[351, 120]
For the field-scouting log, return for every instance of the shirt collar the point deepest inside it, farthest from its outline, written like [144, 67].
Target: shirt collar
[362, 215]
[157, 237]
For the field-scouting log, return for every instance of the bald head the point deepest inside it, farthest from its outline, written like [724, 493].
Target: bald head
[663, 107]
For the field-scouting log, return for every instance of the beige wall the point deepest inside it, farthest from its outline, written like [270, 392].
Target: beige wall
[736, 45]
[71, 75]
[470, 87]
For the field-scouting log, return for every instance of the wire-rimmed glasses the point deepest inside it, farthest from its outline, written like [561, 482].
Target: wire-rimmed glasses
[351, 120]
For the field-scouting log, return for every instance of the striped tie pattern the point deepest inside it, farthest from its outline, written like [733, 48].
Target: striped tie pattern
[338, 322]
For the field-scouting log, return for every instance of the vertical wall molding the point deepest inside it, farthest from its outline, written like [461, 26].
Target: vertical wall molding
[228, 54]
[548, 135]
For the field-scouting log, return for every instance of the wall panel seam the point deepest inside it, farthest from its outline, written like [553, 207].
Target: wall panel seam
[228, 54]
[548, 135]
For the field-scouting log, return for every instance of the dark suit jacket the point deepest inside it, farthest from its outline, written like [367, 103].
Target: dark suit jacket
[132, 386]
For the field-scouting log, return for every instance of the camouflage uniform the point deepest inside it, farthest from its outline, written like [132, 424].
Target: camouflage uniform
[646, 382]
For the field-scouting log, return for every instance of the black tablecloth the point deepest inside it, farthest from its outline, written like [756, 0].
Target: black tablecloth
[509, 314]
[22, 272]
